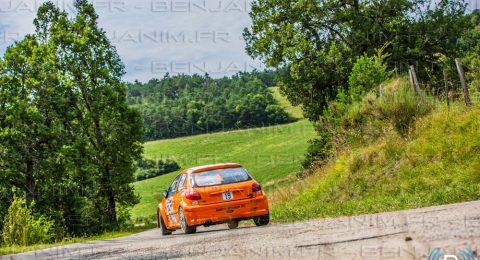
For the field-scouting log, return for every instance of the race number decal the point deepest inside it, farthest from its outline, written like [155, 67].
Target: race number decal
[169, 208]
[227, 195]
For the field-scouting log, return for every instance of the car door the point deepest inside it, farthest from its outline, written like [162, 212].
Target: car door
[169, 203]
[177, 198]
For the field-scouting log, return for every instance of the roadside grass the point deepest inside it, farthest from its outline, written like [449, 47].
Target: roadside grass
[7, 250]
[269, 153]
[437, 163]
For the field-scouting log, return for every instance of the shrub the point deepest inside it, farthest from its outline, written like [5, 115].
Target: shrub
[125, 217]
[5, 197]
[367, 74]
[277, 115]
[402, 107]
[146, 220]
[398, 107]
[319, 150]
[147, 174]
[348, 123]
[162, 167]
[167, 166]
[146, 164]
[21, 228]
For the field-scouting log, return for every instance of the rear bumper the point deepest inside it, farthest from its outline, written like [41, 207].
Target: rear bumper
[220, 212]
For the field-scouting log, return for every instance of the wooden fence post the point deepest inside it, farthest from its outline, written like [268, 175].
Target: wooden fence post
[445, 78]
[411, 80]
[415, 81]
[461, 73]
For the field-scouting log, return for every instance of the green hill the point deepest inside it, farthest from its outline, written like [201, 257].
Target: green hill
[269, 153]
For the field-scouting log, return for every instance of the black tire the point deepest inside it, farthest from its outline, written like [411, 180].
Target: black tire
[232, 224]
[262, 220]
[163, 228]
[183, 223]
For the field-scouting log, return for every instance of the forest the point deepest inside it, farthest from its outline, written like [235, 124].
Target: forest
[182, 105]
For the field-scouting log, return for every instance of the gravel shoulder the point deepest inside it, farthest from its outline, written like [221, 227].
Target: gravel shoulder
[409, 234]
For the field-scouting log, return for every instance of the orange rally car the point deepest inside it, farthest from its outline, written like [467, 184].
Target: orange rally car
[209, 195]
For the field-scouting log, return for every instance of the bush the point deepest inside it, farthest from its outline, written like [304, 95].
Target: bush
[167, 166]
[151, 169]
[149, 220]
[319, 150]
[349, 123]
[367, 74]
[402, 107]
[147, 174]
[125, 217]
[146, 164]
[396, 105]
[21, 228]
[277, 115]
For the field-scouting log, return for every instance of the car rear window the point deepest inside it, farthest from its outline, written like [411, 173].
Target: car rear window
[220, 177]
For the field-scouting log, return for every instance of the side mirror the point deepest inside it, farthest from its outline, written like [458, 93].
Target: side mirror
[164, 194]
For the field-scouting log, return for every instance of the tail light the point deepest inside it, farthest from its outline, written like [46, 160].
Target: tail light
[193, 195]
[256, 187]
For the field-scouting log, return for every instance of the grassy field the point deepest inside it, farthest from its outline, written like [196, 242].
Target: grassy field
[269, 153]
[437, 163]
[295, 112]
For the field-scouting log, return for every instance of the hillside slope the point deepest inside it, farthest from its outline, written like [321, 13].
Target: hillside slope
[437, 163]
[294, 111]
[269, 153]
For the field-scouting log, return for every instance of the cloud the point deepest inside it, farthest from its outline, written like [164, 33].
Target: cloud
[156, 36]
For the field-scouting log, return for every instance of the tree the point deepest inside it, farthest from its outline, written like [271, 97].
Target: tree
[471, 56]
[40, 152]
[33, 119]
[187, 105]
[112, 128]
[69, 140]
[318, 41]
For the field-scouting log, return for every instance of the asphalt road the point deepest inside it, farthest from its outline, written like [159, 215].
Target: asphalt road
[409, 234]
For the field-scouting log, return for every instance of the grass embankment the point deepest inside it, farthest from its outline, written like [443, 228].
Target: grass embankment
[437, 163]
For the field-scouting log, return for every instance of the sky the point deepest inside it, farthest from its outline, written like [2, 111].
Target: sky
[155, 37]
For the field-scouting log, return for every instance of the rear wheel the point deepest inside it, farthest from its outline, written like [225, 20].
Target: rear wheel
[262, 220]
[232, 224]
[162, 226]
[183, 223]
